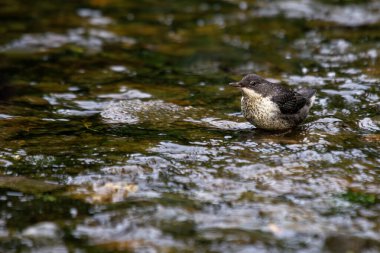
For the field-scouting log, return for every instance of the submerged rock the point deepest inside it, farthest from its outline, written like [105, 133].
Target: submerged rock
[103, 192]
[27, 185]
[160, 113]
[138, 112]
[42, 230]
[370, 124]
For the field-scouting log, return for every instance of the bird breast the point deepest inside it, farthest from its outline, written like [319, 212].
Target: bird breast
[260, 110]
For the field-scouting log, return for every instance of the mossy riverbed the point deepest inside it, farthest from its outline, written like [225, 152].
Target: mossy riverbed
[119, 133]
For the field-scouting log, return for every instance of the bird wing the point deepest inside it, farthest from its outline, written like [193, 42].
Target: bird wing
[289, 102]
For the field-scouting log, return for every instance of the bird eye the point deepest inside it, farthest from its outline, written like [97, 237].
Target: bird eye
[252, 83]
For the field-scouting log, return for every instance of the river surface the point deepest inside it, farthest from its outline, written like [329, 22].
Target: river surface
[119, 133]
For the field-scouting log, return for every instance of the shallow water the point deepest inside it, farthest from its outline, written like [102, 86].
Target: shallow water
[119, 133]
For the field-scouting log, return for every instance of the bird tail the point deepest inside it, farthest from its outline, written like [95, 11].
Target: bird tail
[306, 92]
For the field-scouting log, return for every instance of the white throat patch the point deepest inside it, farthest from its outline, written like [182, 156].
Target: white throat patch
[251, 93]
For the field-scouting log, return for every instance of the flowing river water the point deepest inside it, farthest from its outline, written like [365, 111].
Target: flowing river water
[119, 133]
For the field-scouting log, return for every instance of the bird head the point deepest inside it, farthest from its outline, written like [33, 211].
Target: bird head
[250, 81]
[254, 86]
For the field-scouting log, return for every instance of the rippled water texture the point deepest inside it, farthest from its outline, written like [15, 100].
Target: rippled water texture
[119, 133]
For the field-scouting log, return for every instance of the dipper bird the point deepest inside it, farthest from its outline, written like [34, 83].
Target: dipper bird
[271, 106]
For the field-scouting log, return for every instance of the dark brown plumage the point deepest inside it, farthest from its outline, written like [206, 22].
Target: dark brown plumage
[271, 106]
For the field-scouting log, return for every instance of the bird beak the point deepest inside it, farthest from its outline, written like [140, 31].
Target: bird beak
[237, 84]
